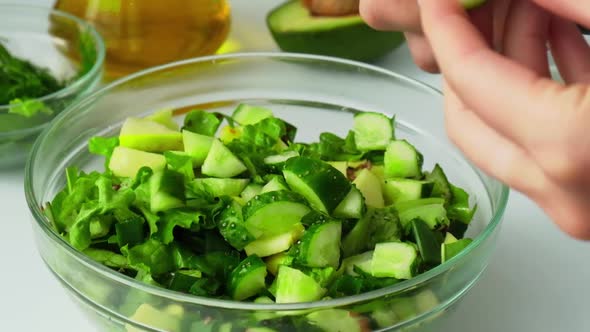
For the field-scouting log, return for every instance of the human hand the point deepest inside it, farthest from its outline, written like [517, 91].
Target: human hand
[404, 15]
[506, 114]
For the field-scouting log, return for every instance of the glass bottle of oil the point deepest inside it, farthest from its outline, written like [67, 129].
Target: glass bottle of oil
[145, 33]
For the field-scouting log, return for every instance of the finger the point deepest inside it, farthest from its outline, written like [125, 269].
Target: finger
[570, 51]
[512, 99]
[570, 211]
[573, 10]
[395, 15]
[526, 35]
[421, 52]
[491, 152]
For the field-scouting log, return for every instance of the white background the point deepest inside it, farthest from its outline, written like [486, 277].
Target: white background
[538, 279]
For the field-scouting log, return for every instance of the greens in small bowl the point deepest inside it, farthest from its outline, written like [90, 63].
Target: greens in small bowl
[48, 59]
[222, 197]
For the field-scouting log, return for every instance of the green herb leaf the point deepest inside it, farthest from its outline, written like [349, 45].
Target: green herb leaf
[103, 146]
[28, 107]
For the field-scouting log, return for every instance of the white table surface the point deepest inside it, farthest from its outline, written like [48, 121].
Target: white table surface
[538, 279]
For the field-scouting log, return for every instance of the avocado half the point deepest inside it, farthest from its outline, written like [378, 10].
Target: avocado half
[295, 30]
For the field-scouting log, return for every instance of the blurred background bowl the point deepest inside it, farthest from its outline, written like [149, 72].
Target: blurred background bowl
[314, 93]
[68, 47]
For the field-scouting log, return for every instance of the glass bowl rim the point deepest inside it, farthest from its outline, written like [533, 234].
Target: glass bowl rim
[40, 219]
[75, 85]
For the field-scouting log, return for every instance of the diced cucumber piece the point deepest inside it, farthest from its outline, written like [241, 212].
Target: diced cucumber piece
[377, 225]
[372, 131]
[222, 187]
[127, 162]
[275, 184]
[247, 279]
[394, 260]
[268, 246]
[229, 133]
[148, 135]
[320, 245]
[428, 245]
[402, 160]
[441, 186]
[197, 146]
[341, 166]
[322, 185]
[294, 286]
[450, 238]
[221, 162]
[273, 262]
[337, 320]
[426, 301]
[399, 190]
[362, 262]
[370, 186]
[434, 215]
[356, 240]
[352, 206]
[274, 213]
[277, 162]
[246, 114]
[164, 117]
[167, 190]
[407, 205]
[168, 319]
[250, 191]
[450, 250]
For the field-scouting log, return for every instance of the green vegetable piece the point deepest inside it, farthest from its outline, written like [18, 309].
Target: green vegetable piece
[450, 250]
[352, 206]
[433, 213]
[370, 187]
[167, 191]
[337, 320]
[250, 191]
[151, 256]
[274, 213]
[150, 136]
[106, 257]
[273, 262]
[127, 162]
[197, 146]
[394, 259]
[372, 131]
[428, 244]
[222, 187]
[247, 279]
[201, 122]
[164, 117]
[182, 281]
[180, 162]
[320, 245]
[459, 208]
[277, 183]
[276, 162]
[129, 232]
[248, 114]
[28, 108]
[442, 187]
[400, 190]
[231, 226]
[360, 262]
[402, 160]
[294, 286]
[170, 219]
[268, 246]
[103, 146]
[221, 162]
[168, 319]
[322, 185]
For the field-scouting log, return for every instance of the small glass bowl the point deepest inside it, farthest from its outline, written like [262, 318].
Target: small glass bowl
[312, 92]
[49, 39]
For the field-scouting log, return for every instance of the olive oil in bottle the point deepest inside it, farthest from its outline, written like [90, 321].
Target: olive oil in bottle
[143, 33]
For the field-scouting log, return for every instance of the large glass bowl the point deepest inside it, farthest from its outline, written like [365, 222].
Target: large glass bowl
[68, 47]
[314, 93]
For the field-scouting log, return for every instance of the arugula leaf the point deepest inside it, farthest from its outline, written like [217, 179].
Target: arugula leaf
[185, 218]
[201, 122]
[180, 163]
[151, 256]
[333, 148]
[28, 107]
[103, 146]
